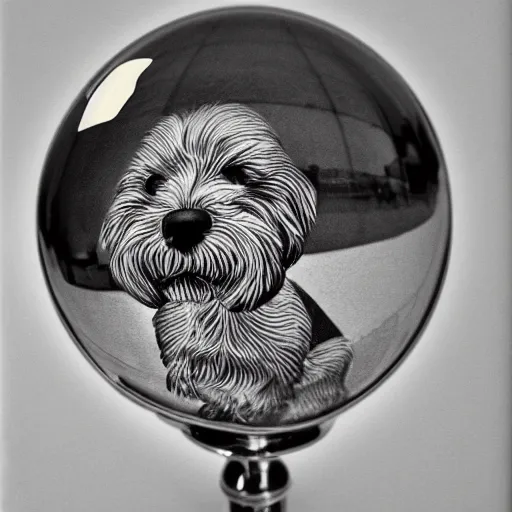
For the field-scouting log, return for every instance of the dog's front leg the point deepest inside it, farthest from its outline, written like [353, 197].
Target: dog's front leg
[218, 405]
[254, 406]
[223, 406]
[322, 383]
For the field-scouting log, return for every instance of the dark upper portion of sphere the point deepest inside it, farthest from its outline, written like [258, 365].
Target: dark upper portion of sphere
[344, 117]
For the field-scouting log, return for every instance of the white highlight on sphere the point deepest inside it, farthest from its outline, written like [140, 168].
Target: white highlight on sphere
[113, 93]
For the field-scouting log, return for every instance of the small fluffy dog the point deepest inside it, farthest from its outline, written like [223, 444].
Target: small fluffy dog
[203, 226]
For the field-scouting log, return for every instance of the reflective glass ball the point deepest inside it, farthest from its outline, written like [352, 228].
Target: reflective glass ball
[244, 220]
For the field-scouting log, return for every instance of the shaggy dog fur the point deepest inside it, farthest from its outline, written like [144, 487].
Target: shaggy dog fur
[233, 331]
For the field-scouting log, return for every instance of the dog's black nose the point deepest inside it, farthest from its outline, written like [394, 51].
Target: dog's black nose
[185, 228]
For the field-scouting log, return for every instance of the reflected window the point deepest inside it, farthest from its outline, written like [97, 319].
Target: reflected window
[113, 93]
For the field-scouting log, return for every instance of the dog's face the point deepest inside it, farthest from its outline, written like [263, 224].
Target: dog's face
[211, 208]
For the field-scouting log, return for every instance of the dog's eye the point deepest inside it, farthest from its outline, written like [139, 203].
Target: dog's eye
[152, 183]
[235, 174]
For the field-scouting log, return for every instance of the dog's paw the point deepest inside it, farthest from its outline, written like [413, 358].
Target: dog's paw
[215, 412]
[180, 387]
[210, 412]
[311, 401]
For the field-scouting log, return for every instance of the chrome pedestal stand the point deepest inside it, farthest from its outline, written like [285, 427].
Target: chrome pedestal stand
[256, 485]
[254, 478]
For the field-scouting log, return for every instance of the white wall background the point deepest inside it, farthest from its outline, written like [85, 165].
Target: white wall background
[435, 436]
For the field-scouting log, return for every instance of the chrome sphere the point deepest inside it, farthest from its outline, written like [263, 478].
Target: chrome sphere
[244, 221]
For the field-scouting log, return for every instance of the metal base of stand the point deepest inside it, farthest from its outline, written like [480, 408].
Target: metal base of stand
[254, 478]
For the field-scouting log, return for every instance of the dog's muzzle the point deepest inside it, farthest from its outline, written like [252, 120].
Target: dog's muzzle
[183, 229]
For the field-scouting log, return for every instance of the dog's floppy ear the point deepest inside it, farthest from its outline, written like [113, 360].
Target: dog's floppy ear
[287, 190]
[105, 238]
[297, 204]
[110, 233]
[114, 223]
